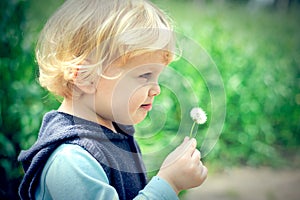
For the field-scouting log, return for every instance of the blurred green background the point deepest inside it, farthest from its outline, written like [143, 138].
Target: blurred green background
[255, 45]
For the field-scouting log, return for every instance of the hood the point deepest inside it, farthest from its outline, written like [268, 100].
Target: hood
[58, 128]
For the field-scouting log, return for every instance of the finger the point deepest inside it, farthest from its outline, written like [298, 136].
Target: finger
[187, 147]
[204, 172]
[196, 156]
[185, 140]
[191, 146]
[182, 146]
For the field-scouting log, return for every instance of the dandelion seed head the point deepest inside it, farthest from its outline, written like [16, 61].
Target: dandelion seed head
[198, 115]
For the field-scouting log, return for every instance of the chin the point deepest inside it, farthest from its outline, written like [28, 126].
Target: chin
[140, 119]
[130, 117]
[130, 121]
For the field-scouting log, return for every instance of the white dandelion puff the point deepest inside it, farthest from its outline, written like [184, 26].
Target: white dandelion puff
[198, 116]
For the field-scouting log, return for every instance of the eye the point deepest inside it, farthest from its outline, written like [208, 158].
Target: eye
[146, 75]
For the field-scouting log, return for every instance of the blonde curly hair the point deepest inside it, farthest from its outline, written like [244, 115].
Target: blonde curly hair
[83, 37]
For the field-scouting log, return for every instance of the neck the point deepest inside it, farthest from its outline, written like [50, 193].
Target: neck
[78, 109]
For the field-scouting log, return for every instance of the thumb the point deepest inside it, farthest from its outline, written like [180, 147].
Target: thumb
[184, 142]
[190, 146]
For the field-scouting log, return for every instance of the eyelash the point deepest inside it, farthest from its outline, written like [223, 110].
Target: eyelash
[146, 75]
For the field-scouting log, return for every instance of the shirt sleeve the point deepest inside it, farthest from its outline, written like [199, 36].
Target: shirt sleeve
[157, 189]
[72, 173]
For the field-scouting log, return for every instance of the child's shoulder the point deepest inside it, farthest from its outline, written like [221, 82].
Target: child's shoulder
[71, 158]
[72, 154]
[70, 165]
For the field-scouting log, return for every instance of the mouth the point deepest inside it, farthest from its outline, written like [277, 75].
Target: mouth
[147, 107]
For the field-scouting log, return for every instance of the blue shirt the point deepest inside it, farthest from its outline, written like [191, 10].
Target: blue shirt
[72, 173]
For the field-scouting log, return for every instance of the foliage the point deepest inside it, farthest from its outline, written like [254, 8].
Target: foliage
[257, 54]
[16, 77]
[22, 100]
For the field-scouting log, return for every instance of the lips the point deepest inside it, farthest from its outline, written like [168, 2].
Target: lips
[147, 107]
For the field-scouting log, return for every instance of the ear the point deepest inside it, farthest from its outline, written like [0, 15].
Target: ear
[89, 88]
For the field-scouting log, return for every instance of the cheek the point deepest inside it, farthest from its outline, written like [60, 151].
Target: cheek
[128, 101]
[128, 93]
[121, 100]
[126, 110]
[121, 96]
[137, 98]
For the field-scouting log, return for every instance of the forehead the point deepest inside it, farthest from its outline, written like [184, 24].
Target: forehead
[146, 59]
[150, 61]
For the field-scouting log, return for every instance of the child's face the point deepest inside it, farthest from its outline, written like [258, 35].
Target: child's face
[128, 98]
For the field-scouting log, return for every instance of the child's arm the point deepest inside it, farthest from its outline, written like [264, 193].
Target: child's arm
[182, 169]
[72, 173]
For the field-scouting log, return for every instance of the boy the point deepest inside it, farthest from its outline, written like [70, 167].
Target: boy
[104, 58]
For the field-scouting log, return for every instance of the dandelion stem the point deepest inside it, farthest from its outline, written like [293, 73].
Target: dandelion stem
[192, 129]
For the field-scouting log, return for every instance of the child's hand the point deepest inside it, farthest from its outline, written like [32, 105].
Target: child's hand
[182, 168]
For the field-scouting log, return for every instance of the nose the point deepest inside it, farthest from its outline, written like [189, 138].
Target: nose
[154, 90]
